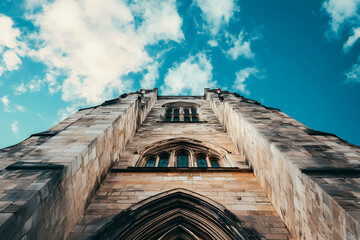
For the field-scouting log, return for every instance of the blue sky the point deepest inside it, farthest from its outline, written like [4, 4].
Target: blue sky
[57, 56]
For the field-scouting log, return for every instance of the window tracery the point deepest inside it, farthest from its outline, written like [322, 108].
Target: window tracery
[181, 112]
[181, 154]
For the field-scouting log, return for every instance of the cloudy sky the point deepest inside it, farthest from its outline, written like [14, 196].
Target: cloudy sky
[57, 56]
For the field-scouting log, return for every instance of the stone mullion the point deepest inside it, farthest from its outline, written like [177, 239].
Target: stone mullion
[191, 159]
[157, 160]
[208, 160]
[172, 159]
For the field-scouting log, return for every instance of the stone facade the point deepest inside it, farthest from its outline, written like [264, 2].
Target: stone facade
[277, 178]
[311, 177]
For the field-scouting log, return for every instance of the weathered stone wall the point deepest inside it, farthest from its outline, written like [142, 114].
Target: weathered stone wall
[235, 188]
[154, 129]
[47, 181]
[238, 192]
[311, 178]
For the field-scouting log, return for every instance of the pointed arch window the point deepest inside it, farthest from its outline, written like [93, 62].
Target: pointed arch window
[163, 160]
[214, 163]
[182, 153]
[201, 161]
[182, 159]
[150, 162]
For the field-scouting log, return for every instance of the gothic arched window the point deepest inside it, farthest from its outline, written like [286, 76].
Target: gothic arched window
[150, 162]
[214, 162]
[163, 160]
[201, 161]
[182, 159]
[183, 153]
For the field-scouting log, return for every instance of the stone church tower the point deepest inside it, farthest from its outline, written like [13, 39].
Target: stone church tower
[144, 166]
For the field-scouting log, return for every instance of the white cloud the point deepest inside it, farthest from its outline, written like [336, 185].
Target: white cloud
[161, 20]
[240, 47]
[149, 80]
[20, 108]
[5, 100]
[9, 42]
[354, 74]
[34, 85]
[9, 107]
[11, 60]
[189, 77]
[67, 111]
[95, 44]
[352, 39]
[15, 127]
[345, 12]
[340, 11]
[213, 43]
[216, 13]
[20, 89]
[241, 77]
[8, 33]
[50, 79]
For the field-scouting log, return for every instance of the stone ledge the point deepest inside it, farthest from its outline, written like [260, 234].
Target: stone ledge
[175, 169]
[34, 166]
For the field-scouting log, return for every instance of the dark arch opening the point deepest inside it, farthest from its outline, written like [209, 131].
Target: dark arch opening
[176, 214]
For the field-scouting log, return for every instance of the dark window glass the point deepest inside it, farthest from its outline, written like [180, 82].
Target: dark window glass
[176, 118]
[214, 163]
[193, 111]
[150, 162]
[169, 111]
[186, 119]
[164, 160]
[186, 111]
[201, 162]
[182, 160]
[195, 119]
[176, 111]
[168, 119]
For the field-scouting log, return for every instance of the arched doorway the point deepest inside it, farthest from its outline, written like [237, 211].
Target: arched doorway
[177, 214]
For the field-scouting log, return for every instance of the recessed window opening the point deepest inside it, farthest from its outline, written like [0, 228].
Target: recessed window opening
[150, 162]
[201, 161]
[182, 159]
[163, 160]
[214, 163]
[182, 154]
[179, 112]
